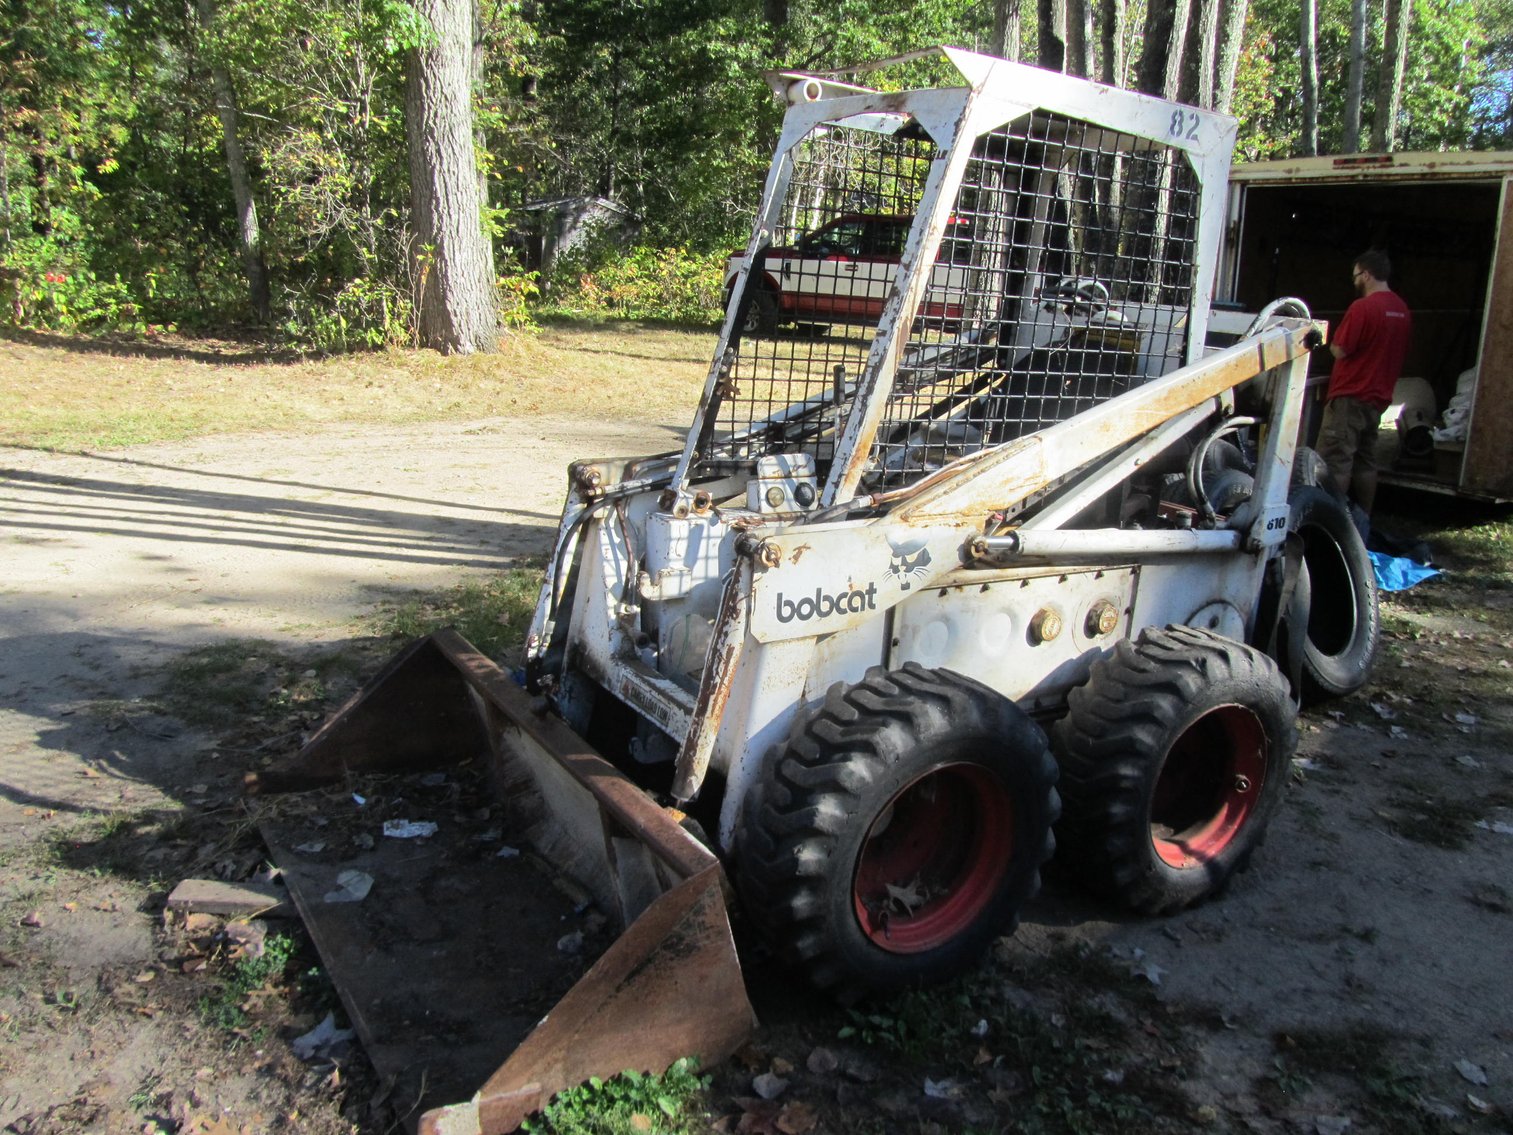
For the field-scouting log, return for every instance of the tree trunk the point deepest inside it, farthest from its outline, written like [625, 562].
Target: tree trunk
[478, 78]
[1350, 139]
[456, 308]
[1227, 58]
[1308, 58]
[1007, 29]
[1389, 91]
[1111, 32]
[1052, 32]
[249, 234]
[1079, 37]
[1160, 69]
[1207, 47]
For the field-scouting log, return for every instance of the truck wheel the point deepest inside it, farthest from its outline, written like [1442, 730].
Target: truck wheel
[1173, 760]
[1343, 622]
[762, 314]
[898, 831]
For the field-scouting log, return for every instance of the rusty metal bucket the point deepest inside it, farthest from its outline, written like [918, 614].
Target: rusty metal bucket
[668, 986]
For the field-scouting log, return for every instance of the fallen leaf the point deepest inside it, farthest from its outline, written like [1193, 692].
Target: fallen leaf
[942, 1089]
[797, 1118]
[909, 898]
[70, 907]
[639, 1122]
[32, 919]
[758, 1117]
[781, 1067]
[1478, 1105]
[1472, 1073]
[144, 977]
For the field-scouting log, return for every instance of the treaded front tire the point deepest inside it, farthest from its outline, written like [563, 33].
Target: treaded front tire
[899, 830]
[1344, 625]
[1174, 756]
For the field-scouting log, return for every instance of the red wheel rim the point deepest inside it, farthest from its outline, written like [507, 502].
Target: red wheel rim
[944, 844]
[1208, 787]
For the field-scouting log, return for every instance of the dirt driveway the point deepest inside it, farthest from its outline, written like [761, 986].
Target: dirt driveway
[1370, 945]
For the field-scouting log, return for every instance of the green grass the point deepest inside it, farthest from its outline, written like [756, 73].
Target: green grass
[224, 684]
[631, 1103]
[115, 843]
[493, 614]
[75, 393]
[1364, 1061]
[225, 1008]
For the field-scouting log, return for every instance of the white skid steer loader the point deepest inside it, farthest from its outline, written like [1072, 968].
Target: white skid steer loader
[957, 524]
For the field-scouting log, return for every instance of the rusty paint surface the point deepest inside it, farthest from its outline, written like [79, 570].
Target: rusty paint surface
[725, 649]
[1006, 476]
[670, 986]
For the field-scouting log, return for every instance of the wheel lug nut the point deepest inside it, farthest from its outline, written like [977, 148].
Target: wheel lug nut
[1242, 784]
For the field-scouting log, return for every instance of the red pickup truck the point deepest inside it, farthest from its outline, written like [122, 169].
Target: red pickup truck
[840, 273]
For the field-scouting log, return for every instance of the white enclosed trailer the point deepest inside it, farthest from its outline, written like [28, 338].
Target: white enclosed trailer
[1446, 222]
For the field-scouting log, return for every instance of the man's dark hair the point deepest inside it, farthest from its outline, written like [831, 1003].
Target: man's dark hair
[1375, 261]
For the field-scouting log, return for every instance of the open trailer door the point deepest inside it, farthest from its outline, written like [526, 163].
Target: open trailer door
[1489, 438]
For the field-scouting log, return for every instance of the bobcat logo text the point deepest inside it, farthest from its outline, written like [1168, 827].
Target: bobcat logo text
[822, 606]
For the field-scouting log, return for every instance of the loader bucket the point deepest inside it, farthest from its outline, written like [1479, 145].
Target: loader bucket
[486, 930]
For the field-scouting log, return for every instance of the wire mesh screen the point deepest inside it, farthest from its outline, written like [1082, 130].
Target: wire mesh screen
[1065, 276]
[812, 307]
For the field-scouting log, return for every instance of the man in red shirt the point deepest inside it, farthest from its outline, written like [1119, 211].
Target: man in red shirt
[1368, 348]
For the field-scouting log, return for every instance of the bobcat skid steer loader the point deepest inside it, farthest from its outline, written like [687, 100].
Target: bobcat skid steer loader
[978, 541]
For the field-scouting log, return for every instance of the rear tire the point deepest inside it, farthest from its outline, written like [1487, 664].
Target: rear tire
[762, 315]
[899, 830]
[1344, 624]
[1174, 756]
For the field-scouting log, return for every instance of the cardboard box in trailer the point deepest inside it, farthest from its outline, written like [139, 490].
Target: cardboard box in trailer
[1446, 222]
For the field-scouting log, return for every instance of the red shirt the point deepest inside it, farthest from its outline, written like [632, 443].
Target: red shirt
[1374, 335]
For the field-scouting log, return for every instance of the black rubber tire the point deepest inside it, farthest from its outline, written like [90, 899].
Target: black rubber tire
[1309, 468]
[762, 315]
[1344, 625]
[1174, 757]
[963, 785]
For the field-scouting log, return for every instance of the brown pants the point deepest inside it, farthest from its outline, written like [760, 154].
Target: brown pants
[1347, 438]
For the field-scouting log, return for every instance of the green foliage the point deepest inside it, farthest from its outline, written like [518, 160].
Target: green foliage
[1453, 50]
[914, 1022]
[116, 209]
[669, 284]
[631, 1103]
[493, 614]
[364, 313]
[226, 1007]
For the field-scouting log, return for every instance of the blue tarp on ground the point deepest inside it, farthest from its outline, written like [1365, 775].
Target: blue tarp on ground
[1397, 573]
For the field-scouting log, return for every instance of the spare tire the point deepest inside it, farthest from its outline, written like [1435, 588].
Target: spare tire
[1344, 626]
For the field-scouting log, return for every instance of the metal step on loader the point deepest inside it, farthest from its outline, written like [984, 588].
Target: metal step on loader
[981, 552]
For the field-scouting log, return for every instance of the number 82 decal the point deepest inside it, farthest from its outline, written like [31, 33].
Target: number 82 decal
[1184, 125]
